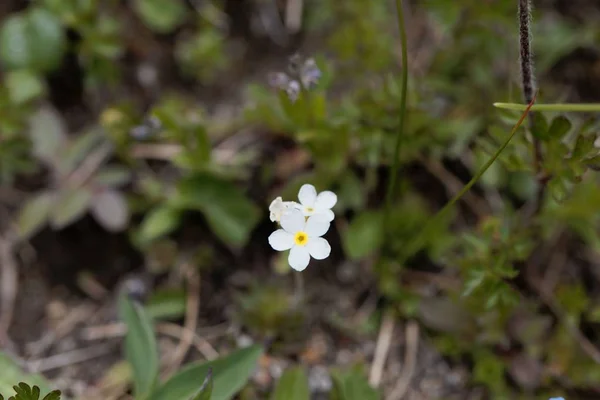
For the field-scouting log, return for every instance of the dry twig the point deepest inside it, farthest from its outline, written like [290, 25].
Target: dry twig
[382, 349]
[410, 361]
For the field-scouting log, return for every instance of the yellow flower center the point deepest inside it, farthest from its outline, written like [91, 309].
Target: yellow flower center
[301, 238]
[310, 209]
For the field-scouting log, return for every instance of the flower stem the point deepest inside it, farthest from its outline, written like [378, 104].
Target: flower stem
[394, 170]
[298, 287]
[415, 245]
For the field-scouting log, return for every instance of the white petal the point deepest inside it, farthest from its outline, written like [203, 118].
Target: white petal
[326, 214]
[276, 204]
[318, 248]
[317, 225]
[307, 195]
[325, 200]
[281, 240]
[299, 258]
[293, 221]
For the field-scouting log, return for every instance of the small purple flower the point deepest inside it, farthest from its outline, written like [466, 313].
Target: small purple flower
[310, 74]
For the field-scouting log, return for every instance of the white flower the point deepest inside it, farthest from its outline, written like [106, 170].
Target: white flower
[279, 207]
[313, 204]
[302, 237]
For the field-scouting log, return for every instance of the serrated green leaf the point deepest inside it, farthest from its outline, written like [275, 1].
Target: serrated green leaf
[34, 214]
[162, 16]
[364, 235]
[205, 391]
[230, 374]
[559, 128]
[70, 205]
[293, 385]
[110, 209]
[230, 214]
[159, 222]
[140, 346]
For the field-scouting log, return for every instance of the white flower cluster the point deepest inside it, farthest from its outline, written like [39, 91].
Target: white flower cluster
[302, 225]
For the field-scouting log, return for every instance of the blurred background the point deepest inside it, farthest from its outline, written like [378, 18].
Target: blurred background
[142, 141]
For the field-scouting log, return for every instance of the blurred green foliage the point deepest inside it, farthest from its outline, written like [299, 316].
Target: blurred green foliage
[150, 169]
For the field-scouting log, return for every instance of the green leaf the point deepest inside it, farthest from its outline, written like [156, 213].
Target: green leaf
[230, 214]
[33, 39]
[70, 205]
[112, 176]
[48, 133]
[159, 222]
[205, 391]
[110, 209]
[540, 127]
[230, 374]
[25, 392]
[293, 385]
[166, 304]
[140, 346]
[364, 235]
[559, 128]
[34, 214]
[23, 86]
[352, 385]
[11, 373]
[162, 16]
[583, 146]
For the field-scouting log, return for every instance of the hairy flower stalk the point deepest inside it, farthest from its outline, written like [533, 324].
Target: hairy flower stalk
[528, 85]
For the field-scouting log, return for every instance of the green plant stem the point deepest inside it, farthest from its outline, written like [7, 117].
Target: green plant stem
[298, 287]
[565, 107]
[394, 170]
[414, 245]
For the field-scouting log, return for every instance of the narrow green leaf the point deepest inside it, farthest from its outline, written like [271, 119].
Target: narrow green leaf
[230, 374]
[293, 385]
[112, 176]
[140, 346]
[231, 215]
[364, 235]
[166, 304]
[34, 214]
[159, 222]
[566, 107]
[70, 205]
[205, 391]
